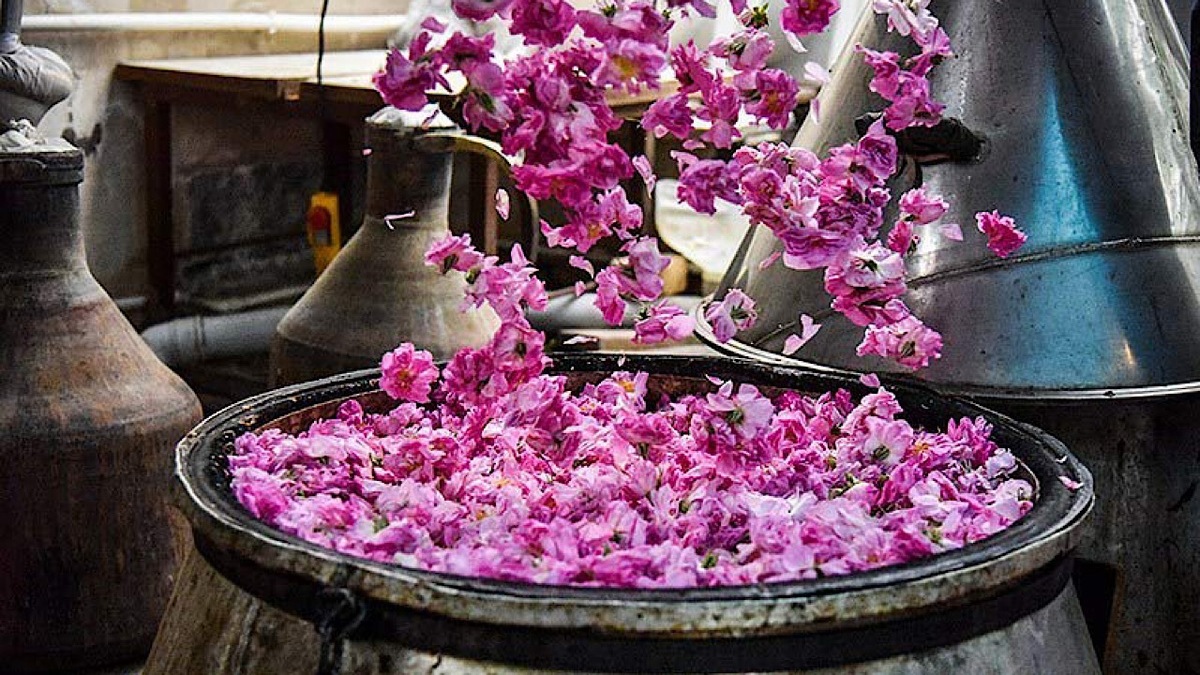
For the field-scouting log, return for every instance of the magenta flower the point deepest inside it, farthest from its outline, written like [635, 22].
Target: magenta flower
[921, 207]
[774, 96]
[747, 50]
[663, 322]
[1003, 236]
[908, 342]
[479, 10]
[807, 17]
[747, 411]
[406, 79]
[408, 373]
[735, 312]
[453, 253]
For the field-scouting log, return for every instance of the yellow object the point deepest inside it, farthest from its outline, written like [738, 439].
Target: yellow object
[324, 228]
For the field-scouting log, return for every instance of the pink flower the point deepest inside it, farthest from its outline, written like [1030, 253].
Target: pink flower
[887, 440]
[1003, 236]
[735, 312]
[484, 104]
[747, 411]
[806, 17]
[902, 239]
[406, 79]
[663, 322]
[407, 373]
[669, 115]
[774, 96]
[702, 181]
[542, 22]
[453, 253]
[479, 10]
[630, 62]
[692, 69]
[922, 207]
[747, 50]
[907, 342]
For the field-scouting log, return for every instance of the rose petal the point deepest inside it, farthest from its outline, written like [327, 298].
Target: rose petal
[502, 203]
[951, 231]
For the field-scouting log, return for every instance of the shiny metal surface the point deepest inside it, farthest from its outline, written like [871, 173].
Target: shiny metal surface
[1083, 108]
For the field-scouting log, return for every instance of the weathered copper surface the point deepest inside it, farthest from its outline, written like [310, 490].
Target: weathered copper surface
[88, 416]
[423, 622]
[378, 292]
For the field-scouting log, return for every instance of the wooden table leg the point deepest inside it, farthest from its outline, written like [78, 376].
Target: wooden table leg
[160, 232]
[336, 148]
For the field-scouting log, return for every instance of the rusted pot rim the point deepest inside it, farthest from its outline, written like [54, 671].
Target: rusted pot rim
[1021, 568]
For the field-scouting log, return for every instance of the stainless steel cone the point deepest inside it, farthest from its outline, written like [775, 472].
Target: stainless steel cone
[1082, 107]
[1091, 331]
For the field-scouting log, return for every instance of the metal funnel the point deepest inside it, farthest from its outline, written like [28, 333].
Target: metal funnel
[1082, 107]
[32, 79]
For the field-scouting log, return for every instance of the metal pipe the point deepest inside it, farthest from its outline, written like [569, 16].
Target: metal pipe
[372, 26]
[10, 25]
[1194, 97]
[196, 338]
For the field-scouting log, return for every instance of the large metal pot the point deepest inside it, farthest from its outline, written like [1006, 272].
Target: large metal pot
[251, 596]
[88, 417]
[1090, 330]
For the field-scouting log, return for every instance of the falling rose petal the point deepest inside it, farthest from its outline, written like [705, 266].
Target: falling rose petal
[715, 380]
[795, 42]
[870, 379]
[389, 219]
[621, 361]
[367, 152]
[580, 288]
[816, 73]
[692, 144]
[792, 344]
[645, 171]
[577, 340]
[808, 328]
[432, 25]
[951, 231]
[1070, 483]
[502, 203]
[814, 109]
[770, 260]
[581, 263]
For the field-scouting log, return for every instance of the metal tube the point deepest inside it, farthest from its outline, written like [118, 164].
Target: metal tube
[1193, 103]
[10, 25]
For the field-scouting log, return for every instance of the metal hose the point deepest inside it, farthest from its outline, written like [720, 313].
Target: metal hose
[10, 25]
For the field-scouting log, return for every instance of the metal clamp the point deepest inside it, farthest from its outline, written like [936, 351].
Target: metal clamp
[339, 613]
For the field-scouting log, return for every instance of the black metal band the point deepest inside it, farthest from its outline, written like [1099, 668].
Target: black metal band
[574, 650]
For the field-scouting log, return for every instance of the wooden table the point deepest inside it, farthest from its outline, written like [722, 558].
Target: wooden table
[272, 83]
[287, 83]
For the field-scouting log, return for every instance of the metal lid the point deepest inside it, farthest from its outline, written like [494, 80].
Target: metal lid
[1085, 144]
[46, 162]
